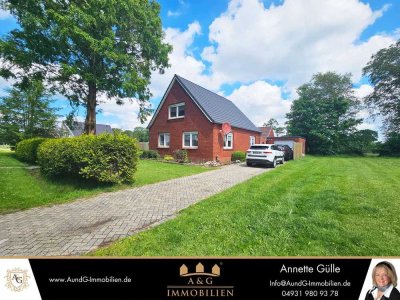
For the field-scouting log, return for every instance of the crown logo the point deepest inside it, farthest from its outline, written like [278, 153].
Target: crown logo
[184, 271]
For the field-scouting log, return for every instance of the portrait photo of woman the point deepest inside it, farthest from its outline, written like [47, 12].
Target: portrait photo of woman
[384, 280]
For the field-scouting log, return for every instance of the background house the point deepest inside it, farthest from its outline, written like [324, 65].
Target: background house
[267, 135]
[191, 117]
[78, 129]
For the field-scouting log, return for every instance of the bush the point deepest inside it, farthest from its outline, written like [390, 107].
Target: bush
[391, 147]
[152, 154]
[181, 156]
[238, 155]
[168, 157]
[26, 150]
[108, 158]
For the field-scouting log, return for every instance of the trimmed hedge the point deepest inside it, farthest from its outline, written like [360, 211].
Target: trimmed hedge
[106, 157]
[26, 150]
[238, 155]
[150, 154]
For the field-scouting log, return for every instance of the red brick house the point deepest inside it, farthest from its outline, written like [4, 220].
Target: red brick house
[191, 117]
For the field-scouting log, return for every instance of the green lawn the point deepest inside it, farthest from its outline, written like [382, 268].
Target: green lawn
[21, 188]
[4, 148]
[317, 206]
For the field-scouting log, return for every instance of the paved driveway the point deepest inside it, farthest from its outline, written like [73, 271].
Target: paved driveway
[81, 226]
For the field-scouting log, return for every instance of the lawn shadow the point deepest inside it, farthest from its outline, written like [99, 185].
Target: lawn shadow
[68, 182]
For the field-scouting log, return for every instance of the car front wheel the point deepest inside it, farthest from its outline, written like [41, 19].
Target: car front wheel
[274, 163]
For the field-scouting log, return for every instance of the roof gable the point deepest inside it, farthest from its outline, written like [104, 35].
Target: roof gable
[215, 107]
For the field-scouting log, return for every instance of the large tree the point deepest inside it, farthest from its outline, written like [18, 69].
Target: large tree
[384, 72]
[26, 112]
[87, 48]
[360, 142]
[324, 113]
[139, 133]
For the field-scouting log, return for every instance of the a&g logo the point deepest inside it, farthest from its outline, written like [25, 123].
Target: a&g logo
[17, 279]
[200, 283]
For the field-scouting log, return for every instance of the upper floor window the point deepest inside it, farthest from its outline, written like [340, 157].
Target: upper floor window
[228, 141]
[176, 111]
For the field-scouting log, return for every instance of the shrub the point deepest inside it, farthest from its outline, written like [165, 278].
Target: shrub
[61, 156]
[108, 158]
[168, 157]
[391, 147]
[152, 154]
[26, 150]
[181, 156]
[238, 155]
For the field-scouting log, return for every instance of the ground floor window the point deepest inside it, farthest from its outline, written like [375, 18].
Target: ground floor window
[163, 140]
[252, 140]
[190, 139]
[228, 141]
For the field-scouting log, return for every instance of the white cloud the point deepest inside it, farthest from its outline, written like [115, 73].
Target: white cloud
[4, 14]
[182, 61]
[292, 41]
[171, 13]
[363, 90]
[261, 101]
[125, 114]
[287, 42]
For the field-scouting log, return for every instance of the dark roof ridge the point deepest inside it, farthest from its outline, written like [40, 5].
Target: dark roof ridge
[224, 98]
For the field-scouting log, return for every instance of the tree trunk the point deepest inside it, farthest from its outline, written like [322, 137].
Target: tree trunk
[90, 122]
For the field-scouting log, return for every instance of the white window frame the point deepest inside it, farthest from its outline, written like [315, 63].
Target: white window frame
[191, 140]
[252, 140]
[159, 140]
[226, 140]
[176, 107]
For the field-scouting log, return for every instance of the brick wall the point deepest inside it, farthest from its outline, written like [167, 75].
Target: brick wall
[241, 142]
[194, 120]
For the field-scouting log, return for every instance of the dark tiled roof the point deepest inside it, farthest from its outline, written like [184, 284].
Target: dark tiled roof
[100, 128]
[217, 108]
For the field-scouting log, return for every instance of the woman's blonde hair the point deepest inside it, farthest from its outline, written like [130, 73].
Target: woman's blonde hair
[390, 270]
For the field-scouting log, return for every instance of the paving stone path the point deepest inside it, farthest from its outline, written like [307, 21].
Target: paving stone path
[83, 225]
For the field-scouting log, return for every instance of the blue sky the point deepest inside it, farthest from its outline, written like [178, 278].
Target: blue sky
[256, 53]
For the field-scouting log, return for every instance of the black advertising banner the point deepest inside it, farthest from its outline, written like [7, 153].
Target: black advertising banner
[200, 278]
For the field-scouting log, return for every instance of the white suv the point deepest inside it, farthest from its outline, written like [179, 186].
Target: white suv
[266, 154]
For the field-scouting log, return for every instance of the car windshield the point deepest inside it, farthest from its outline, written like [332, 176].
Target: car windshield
[254, 147]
